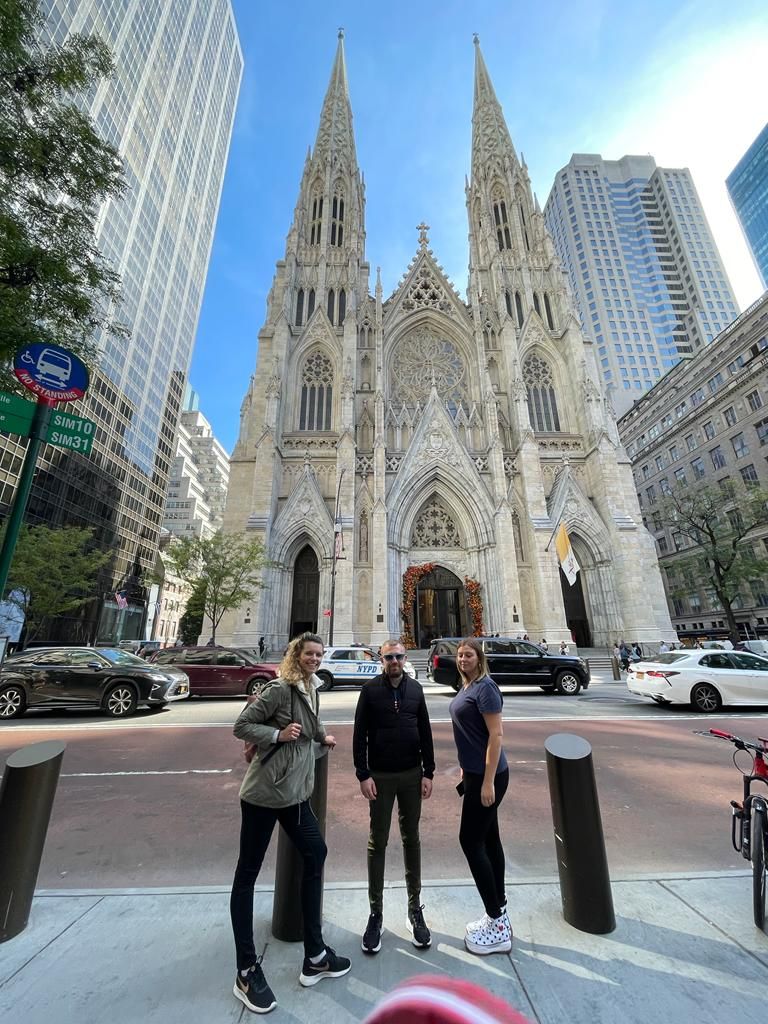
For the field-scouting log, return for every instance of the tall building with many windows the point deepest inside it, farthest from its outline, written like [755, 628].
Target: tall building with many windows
[169, 109]
[643, 266]
[747, 186]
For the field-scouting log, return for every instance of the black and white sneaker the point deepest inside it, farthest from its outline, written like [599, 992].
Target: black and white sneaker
[372, 938]
[417, 926]
[331, 966]
[254, 991]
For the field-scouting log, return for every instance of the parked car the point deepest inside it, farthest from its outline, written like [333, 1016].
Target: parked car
[705, 679]
[73, 677]
[511, 663]
[217, 671]
[351, 665]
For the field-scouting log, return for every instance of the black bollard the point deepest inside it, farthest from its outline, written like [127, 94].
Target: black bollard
[287, 916]
[26, 798]
[585, 886]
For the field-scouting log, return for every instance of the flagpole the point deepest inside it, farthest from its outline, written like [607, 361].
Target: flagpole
[336, 530]
[551, 536]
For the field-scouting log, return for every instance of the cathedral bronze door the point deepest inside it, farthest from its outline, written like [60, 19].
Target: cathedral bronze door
[440, 608]
[306, 591]
[576, 611]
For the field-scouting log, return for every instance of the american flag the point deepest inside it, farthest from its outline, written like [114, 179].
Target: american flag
[121, 600]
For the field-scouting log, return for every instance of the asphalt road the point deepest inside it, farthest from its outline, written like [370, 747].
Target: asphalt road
[153, 801]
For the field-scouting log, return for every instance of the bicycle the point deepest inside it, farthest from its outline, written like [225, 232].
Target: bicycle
[749, 819]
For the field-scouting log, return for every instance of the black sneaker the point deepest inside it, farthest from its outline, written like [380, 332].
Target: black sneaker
[372, 938]
[254, 991]
[417, 926]
[331, 966]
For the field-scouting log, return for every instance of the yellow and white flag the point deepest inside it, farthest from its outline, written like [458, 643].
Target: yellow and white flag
[568, 562]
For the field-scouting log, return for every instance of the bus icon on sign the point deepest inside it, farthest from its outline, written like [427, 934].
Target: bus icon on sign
[54, 368]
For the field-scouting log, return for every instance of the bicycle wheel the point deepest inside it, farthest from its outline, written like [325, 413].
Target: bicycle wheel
[759, 825]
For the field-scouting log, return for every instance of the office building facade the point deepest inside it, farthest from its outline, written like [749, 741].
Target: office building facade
[642, 264]
[747, 186]
[169, 110]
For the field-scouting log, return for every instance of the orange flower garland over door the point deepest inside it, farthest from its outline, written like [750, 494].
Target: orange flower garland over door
[475, 602]
[411, 578]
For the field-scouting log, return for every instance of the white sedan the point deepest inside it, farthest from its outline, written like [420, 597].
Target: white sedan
[704, 679]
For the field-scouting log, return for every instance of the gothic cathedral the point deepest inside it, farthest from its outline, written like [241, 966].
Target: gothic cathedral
[406, 460]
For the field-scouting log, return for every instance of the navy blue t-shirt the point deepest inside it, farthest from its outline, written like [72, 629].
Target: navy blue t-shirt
[469, 729]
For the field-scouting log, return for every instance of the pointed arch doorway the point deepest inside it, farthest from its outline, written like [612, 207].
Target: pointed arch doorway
[306, 593]
[439, 607]
[575, 605]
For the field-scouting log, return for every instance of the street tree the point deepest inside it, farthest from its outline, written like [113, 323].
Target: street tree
[191, 622]
[228, 564]
[54, 571]
[56, 172]
[713, 527]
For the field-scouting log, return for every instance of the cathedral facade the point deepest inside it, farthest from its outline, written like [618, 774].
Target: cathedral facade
[406, 460]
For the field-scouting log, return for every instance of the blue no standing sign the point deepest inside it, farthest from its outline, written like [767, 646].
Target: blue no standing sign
[51, 372]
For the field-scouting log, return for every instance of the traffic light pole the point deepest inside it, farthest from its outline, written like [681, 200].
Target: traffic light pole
[37, 434]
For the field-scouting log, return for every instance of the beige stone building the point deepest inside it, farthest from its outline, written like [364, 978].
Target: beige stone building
[706, 420]
[441, 442]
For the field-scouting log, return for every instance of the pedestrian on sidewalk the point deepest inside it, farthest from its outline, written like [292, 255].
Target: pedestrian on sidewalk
[281, 723]
[477, 730]
[394, 760]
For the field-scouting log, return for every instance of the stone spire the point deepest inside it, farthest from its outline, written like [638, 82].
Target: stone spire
[335, 138]
[491, 141]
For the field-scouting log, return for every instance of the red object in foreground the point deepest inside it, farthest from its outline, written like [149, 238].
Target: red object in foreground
[429, 999]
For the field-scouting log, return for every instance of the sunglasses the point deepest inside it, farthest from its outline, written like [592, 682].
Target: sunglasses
[393, 657]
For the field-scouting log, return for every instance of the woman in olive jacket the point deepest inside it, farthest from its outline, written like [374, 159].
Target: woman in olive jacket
[281, 724]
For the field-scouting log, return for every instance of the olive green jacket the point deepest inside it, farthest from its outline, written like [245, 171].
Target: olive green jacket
[288, 776]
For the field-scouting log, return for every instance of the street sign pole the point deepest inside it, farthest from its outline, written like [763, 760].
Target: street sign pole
[37, 434]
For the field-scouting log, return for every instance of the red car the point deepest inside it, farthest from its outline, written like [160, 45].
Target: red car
[217, 671]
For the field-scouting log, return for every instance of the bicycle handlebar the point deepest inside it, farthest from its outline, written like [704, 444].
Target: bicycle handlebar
[737, 741]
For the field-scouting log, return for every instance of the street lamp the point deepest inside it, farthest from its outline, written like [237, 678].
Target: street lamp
[338, 542]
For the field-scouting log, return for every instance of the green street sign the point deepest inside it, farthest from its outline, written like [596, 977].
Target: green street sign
[73, 432]
[11, 424]
[16, 406]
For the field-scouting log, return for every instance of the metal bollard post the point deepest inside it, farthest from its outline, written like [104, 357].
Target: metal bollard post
[585, 886]
[26, 798]
[616, 667]
[287, 916]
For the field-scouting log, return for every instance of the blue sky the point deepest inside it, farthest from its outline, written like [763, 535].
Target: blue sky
[682, 81]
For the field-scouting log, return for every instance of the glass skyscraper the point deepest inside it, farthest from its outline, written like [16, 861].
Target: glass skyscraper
[642, 264]
[169, 110]
[748, 188]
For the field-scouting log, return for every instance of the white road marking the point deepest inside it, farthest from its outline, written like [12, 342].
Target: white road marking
[172, 771]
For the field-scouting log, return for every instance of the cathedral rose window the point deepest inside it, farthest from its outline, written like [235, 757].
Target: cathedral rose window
[423, 359]
[316, 393]
[434, 527]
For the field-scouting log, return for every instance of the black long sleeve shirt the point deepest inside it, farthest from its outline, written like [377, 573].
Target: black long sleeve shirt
[392, 735]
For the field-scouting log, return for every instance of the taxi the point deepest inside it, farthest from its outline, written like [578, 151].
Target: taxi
[351, 666]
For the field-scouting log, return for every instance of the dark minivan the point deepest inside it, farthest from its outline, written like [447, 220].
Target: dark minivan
[217, 671]
[511, 663]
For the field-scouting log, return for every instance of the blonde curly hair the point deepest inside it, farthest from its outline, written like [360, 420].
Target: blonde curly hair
[290, 669]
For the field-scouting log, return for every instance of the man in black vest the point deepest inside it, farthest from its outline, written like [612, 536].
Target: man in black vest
[394, 759]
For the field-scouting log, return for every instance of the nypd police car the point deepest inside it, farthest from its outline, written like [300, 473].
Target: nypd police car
[351, 666]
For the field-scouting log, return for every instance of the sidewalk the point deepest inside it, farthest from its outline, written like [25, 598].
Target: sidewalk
[685, 948]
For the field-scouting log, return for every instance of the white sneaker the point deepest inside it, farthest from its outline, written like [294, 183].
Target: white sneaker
[476, 926]
[494, 937]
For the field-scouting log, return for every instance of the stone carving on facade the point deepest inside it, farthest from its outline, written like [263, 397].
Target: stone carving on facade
[309, 443]
[364, 465]
[424, 360]
[438, 448]
[393, 463]
[363, 537]
[426, 292]
[481, 464]
[348, 382]
[518, 390]
[274, 384]
[434, 527]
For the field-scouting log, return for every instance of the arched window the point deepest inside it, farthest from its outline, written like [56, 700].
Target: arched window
[316, 393]
[536, 303]
[317, 220]
[331, 304]
[503, 236]
[542, 405]
[337, 219]
[508, 302]
[548, 310]
[519, 308]
[311, 303]
[342, 306]
[300, 308]
[524, 226]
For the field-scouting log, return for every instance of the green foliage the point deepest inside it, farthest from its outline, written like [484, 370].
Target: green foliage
[227, 564]
[54, 571]
[716, 524]
[191, 622]
[56, 172]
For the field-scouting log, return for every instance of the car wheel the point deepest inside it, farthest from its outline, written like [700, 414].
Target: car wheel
[256, 685]
[13, 702]
[119, 701]
[568, 684]
[705, 698]
[326, 681]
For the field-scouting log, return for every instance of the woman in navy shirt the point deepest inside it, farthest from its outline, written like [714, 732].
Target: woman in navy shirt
[476, 717]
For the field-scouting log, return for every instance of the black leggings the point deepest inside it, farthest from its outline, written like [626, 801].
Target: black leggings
[255, 833]
[480, 840]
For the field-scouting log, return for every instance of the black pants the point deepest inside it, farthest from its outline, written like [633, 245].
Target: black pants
[256, 829]
[405, 787]
[480, 840]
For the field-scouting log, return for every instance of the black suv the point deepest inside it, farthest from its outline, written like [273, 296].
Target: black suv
[510, 663]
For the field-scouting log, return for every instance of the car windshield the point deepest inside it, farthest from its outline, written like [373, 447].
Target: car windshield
[118, 657]
[670, 657]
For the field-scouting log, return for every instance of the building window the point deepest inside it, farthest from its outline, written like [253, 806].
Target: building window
[718, 459]
[331, 304]
[316, 393]
[749, 475]
[548, 311]
[697, 465]
[542, 405]
[650, 493]
[662, 542]
[761, 429]
[664, 485]
[740, 446]
[342, 306]
[502, 224]
[508, 304]
[518, 309]
[316, 220]
[691, 442]
[310, 303]
[674, 453]
[729, 415]
[680, 476]
[337, 219]
[755, 401]
[536, 303]
[709, 430]
[300, 308]
[659, 463]
[726, 486]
